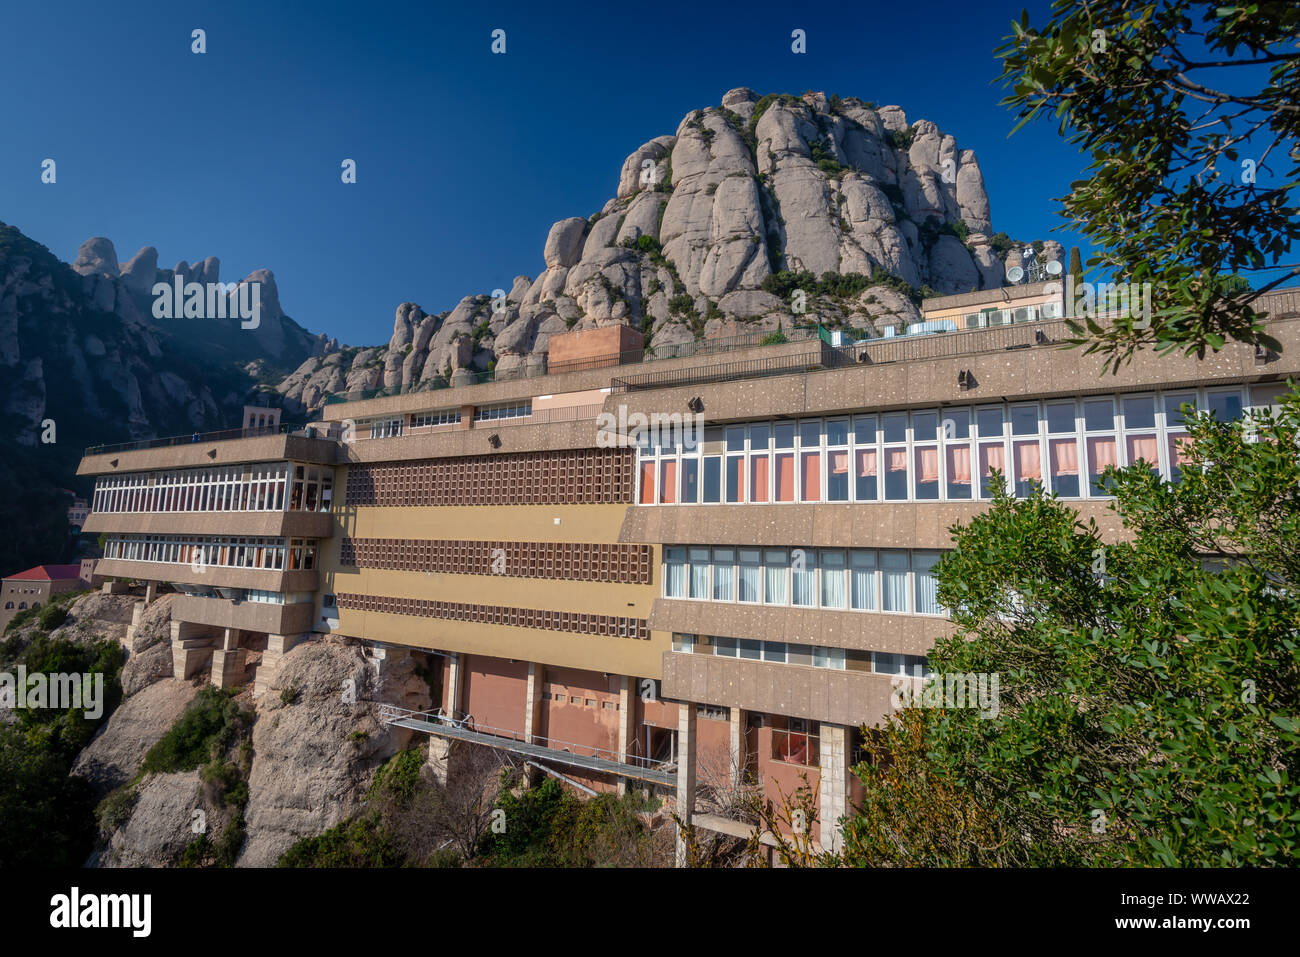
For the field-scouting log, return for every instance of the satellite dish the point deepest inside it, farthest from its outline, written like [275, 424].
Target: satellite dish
[1053, 267]
[1015, 274]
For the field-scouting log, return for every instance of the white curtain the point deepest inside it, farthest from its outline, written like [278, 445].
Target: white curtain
[675, 572]
[775, 564]
[862, 566]
[893, 568]
[927, 586]
[804, 590]
[751, 585]
[724, 574]
[700, 573]
[832, 579]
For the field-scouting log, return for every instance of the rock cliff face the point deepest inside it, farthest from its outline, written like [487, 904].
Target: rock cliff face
[709, 231]
[312, 757]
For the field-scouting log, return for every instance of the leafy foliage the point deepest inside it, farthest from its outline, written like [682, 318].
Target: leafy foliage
[211, 723]
[1174, 102]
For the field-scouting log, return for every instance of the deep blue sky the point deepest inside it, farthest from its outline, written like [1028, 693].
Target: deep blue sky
[464, 158]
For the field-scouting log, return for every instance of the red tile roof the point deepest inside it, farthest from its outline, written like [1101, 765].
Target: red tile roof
[48, 573]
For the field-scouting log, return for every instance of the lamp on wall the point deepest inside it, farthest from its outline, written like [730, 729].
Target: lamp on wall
[964, 379]
[696, 404]
[494, 440]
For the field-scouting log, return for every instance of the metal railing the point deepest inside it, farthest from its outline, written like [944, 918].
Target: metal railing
[721, 372]
[389, 713]
[968, 342]
[194, 437]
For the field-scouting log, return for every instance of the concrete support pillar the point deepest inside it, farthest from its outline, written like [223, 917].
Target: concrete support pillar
[686, 721]
[533, 702]
[277, 646]
[626, 727]
[150, 592]
[230, 639]
[228, 667]
[833, 791]
[191, 649]
[737, 747]
[137, 616]
[451, 694]
[439, 758]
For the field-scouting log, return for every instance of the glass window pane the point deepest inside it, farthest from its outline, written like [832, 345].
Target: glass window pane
[955, 424]
[735, 478]
[751, 649]
[896, 474]
[893, 580]
[865, 470]
[988, 422]
[1101, 453]
[837, 432]
[735, 438]
[758, 478]
[927, 585]
[959, 470]
[803, 574]
[810, 434]
[784, 486]
[759, 436]
[837, 475]
[699, 560]
[832, 562]
[1140, 413]
[864, 429]
[894, 427]
[724, 647]
[1226, 406]
[1064, 455]
[690, 480]
[927, 472]
[925, 425]
[1060, 417]
[724, 574]
[1098, 415]
[750, 575]
[675, 572]
[713, 479]
[1029, 466]
[774, 651]
[1173, 408]
[810, 488]
[1024, 420]
[862, 579]
[775, 564]
[783, 435]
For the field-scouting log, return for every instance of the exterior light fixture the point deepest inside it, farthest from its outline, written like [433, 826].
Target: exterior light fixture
[494, 440]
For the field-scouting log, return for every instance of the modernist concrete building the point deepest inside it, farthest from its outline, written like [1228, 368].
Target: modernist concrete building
[684, 611]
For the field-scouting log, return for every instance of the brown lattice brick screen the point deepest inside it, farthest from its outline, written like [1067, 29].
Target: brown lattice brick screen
[579, 622]
[573, 561]
[566, 477]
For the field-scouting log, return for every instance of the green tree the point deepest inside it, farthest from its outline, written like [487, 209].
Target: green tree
[1188, 111]
[1147, 707]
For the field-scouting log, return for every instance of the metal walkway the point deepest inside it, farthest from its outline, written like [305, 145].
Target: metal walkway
[431, 722]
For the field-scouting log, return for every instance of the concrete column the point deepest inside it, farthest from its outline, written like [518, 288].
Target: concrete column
[439, 758]
[137, 616]
[150, 592]
[191, 649]
[626, 727]
[228, 667]
[833, 790]
[451, 694]
[277, 646]
[737, 740]
[686, 721]
[533, 702]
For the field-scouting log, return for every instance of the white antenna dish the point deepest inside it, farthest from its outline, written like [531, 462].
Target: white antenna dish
[1015, 274]
[1053, 267]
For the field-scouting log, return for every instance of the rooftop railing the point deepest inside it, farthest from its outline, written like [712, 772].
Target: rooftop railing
[193, 437]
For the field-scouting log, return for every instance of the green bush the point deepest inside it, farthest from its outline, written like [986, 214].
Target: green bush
[52, 616]
[213, 721]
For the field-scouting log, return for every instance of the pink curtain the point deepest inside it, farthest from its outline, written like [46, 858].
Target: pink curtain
[758, 476]
[785, 478]
[668, 487]
[1101, 453]
[1065, 457]
[1029, 464]
[897, 459]
[866, 462]
[647, 483]
[1179, 449]
[991, 457]
[959, 464]
[812, 476]
[927, 463]
[839, 462]
[1144, 447]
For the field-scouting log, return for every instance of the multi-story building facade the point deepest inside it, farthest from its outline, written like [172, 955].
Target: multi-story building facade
[678, 609]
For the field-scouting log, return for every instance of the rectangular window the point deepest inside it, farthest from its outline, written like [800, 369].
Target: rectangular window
[811, 474]
[862, 579]
[668, 482]
[690, 481]
[751, 584]
[832, 562]
[784, 477]
[927, 472]
[1101, 453]
[735, 478]
[926, 586]
[1029, 467]
[724, 647]
[803, 574]
[893, 575]
[724, 574]
[1064, 454]
[675, 572]
[750, 649]
[896, 474]
[699, 573]
[865, 471]
[712, 479]
[647, 483]
[775, 564]
[758, 478]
